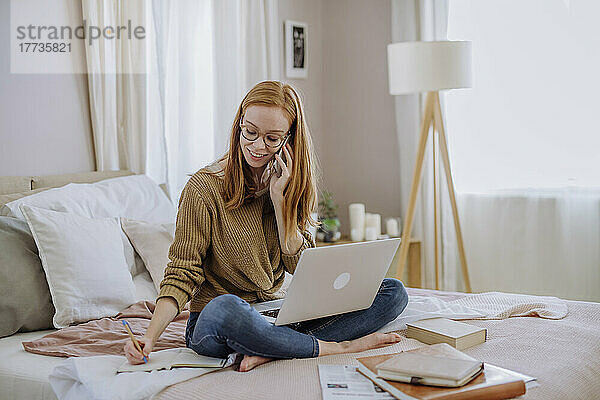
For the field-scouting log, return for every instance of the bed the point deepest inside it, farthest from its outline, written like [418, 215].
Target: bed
[564, 354]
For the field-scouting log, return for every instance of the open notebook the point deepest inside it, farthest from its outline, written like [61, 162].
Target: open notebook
[174, 358]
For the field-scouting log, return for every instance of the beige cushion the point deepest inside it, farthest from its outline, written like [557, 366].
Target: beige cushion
[152, 243]
[15, 184]
[7, 198]
[21, 186]
[163, 186]
[52, 181]
[25, 304]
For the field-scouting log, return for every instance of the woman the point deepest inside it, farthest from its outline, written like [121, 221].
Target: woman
[240, 225]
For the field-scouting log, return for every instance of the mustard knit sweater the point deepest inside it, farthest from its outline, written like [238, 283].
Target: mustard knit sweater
[217, 251]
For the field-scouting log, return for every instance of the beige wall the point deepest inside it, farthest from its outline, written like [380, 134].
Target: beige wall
[44, 119]
[309, 11]
[361, 152]
[350, 111]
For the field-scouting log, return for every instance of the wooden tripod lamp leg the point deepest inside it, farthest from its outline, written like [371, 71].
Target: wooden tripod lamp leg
[435, 213]
[406, 231]
[437, 118]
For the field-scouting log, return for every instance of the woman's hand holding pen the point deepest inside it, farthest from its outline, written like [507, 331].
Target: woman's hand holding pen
[133, 355]
[277, 183]
[164, 313]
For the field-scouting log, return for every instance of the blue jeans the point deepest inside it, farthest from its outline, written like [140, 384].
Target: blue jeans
[229, 324]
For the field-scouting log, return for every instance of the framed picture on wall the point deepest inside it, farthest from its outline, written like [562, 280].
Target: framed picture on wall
[295, 49]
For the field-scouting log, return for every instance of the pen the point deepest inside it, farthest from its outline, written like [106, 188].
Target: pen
[134, 340]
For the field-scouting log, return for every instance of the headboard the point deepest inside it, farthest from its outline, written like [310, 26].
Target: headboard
[15, 187]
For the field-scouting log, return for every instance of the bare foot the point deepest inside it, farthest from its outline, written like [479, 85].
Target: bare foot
[372, 341]
[250, 362]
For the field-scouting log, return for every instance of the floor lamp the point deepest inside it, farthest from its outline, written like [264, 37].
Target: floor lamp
[415, 67]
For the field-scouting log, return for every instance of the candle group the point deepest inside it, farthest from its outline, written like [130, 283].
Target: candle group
[367, 226]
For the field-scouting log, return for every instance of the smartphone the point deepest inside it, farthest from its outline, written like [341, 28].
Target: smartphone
[276, 168]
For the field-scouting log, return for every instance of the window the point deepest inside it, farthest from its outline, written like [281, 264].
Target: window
[532, 118]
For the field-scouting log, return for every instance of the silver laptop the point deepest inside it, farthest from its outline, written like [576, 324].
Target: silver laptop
[332, 280]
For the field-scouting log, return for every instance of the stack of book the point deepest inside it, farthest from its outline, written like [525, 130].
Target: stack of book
[440, 372]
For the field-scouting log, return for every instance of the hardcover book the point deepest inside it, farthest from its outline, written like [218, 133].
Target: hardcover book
[442, 330]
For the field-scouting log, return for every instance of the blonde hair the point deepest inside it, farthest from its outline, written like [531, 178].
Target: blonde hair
[300, 193]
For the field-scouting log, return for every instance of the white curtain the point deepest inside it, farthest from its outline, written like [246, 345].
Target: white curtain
[246, 51]
[527, 184]
[201, 57]
[180, 104]
[208, 54]
[423, 20]
[525, 143]
[538, 241]
[117, 87]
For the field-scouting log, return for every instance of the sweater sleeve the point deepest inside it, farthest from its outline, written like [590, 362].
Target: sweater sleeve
[184, 271]
[291, 261]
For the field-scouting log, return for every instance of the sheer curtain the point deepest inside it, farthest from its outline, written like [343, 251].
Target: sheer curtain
[180, 106]
[524, 144]
[207, 54]
[116, 82]
[198, 60]
[246, 51]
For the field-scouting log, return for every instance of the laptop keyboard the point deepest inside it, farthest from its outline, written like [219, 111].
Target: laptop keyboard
[271, 313]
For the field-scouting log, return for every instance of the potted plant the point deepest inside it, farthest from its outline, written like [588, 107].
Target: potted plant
[329, 228]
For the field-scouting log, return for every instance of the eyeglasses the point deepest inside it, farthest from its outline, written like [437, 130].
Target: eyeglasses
[271, 140]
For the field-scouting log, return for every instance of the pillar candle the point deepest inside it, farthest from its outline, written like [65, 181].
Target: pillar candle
[391, 227]
[357, 235]
[378, 223]
[374, 221]
[357, 221]
[371, 233]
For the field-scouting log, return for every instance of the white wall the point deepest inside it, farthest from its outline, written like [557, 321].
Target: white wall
[44, 119]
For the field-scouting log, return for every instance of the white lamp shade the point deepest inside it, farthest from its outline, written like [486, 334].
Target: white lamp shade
[428, 66]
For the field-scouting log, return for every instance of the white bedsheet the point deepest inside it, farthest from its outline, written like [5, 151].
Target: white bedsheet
[24, 375]
[80, 378]
[96, 378]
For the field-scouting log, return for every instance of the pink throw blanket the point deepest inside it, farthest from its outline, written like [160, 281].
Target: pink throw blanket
[107, 335]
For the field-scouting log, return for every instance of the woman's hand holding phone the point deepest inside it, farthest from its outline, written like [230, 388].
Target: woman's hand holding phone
[275, 168]
[279, 180]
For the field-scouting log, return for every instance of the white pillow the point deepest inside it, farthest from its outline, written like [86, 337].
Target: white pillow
[132, 196]
[84, 264]
[152, 243]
